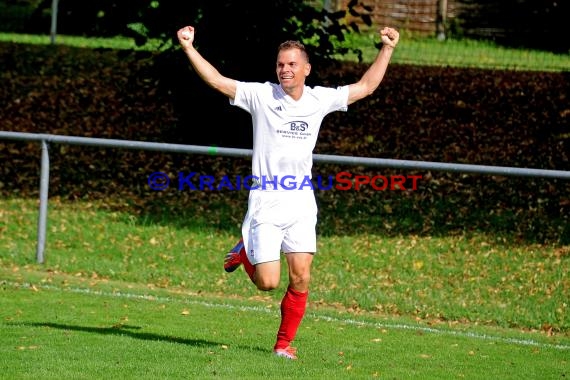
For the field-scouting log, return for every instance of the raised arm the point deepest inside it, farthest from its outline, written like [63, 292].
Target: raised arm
[373, 76]
[205, 70]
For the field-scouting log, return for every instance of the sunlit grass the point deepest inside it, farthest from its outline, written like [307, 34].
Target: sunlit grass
[119, 43]
[461, 53]
[410, 50]
[56, 326]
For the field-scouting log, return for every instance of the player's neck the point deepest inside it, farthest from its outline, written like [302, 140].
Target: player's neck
[294, 92]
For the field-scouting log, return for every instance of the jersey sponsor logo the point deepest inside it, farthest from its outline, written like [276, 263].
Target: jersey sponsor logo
[296, 129]
[299, 126]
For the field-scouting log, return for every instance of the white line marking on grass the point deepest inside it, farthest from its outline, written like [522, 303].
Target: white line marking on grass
[349, 321]
[463, 334]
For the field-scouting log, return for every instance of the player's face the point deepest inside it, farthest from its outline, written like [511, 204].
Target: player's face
[292, 68]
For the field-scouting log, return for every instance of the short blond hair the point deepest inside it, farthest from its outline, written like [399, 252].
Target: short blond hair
[294, 45]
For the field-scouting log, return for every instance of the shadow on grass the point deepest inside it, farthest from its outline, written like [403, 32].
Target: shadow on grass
[131, 332]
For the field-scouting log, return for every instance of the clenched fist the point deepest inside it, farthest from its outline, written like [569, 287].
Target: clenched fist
[390, 36]
[186, 36]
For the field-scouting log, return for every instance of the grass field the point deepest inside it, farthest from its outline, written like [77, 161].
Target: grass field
[121, 297]
[56, 326]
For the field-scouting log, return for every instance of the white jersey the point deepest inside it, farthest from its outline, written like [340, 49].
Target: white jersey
[284, 130]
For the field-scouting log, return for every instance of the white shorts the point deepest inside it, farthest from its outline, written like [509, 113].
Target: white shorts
[279, 221]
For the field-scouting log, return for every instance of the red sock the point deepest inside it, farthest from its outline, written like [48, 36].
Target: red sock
[249, 268]
[293, 308]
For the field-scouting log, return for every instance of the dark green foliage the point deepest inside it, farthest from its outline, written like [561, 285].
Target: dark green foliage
[228, 28]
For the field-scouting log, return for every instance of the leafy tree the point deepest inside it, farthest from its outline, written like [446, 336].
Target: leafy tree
[226, 28]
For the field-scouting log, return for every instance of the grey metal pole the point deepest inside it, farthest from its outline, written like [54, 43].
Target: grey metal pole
[441, 20]
[42, 219]
[53, 31]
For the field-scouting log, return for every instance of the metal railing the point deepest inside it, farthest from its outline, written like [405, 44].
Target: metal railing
[46, 139]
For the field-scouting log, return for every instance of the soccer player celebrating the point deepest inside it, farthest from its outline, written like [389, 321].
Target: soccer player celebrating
[286, 118]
